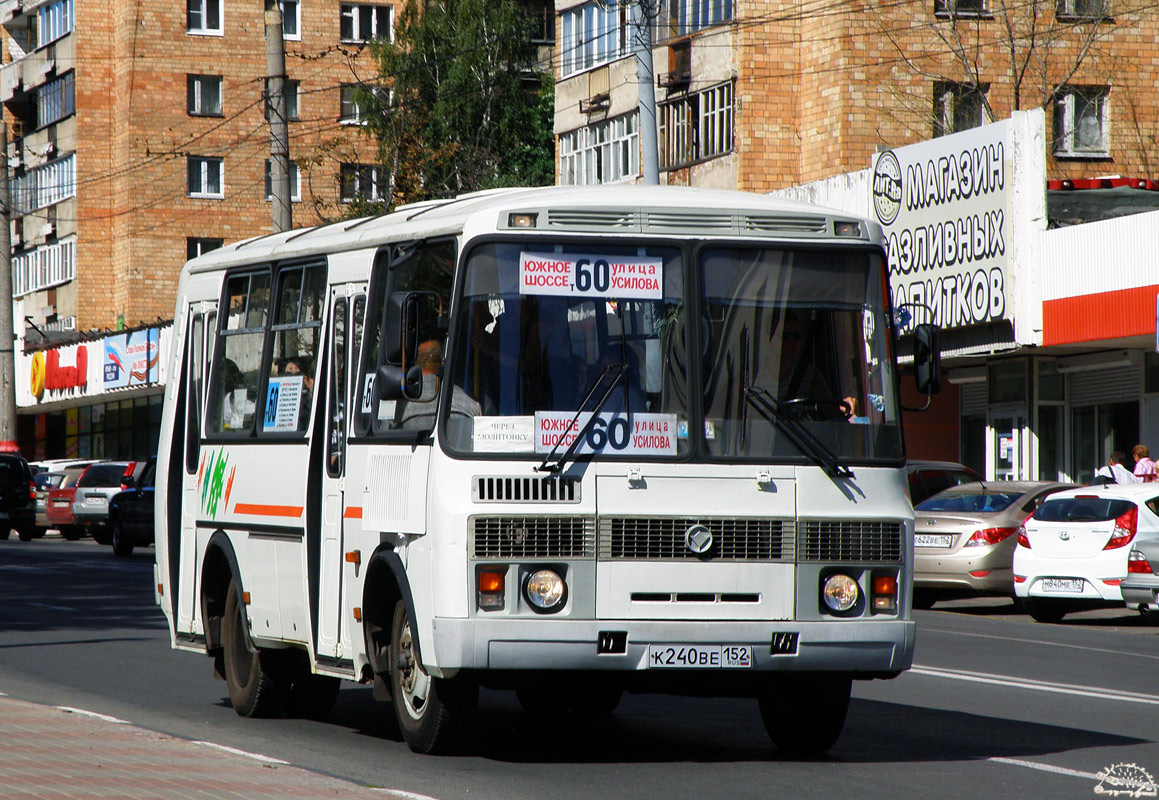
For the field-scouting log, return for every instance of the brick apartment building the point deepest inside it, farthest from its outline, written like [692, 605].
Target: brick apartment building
[138, 137]
[763, 94]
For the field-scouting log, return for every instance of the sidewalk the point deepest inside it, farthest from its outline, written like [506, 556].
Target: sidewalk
[57, 754]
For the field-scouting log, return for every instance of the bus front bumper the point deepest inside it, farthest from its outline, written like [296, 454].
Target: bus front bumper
[871, 646]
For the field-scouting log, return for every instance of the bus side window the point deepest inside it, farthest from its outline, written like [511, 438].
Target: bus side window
[288, 396]
[194, 367]
[237, 357]
[336, 423]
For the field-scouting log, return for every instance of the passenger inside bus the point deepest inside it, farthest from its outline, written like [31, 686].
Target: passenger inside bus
[300, 365]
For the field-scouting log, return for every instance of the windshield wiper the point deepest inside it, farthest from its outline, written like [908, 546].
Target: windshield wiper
[618, 371]
[798, 434]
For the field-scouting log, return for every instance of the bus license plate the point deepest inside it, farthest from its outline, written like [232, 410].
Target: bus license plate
[700, 656]
[1068, 585]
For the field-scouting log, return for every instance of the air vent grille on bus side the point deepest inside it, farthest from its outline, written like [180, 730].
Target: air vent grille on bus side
[509, 489]
[783, 223]
[849, 540]
[593, 219]
[685, 221]
[631, 538]
[532, 537]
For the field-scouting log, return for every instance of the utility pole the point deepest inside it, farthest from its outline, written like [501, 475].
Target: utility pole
[279, 131]
[643, 12]
[8, 443]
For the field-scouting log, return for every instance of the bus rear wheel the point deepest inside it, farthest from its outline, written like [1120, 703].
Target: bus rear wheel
[435, 715]
[804, 713]
[258, 687]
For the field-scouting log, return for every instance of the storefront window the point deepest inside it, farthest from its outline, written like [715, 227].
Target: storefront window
[1007, 382]
[1051, 382]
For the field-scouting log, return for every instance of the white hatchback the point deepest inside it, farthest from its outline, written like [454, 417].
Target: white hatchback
[1072, 552]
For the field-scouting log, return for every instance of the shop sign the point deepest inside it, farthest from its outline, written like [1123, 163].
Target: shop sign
[131, 359]
[945, 208]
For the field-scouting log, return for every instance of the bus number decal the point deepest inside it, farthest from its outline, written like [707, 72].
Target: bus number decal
[650, 434]
[596, 276]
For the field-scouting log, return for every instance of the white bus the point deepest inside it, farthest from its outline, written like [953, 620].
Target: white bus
[567, 441]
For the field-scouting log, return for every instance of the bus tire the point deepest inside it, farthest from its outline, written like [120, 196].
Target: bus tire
[122, 545]
[312, 696]
[257, 687]
[434, 714]
[804, 713]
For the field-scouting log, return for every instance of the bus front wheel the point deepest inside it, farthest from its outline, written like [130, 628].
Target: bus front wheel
[257, 687]
[434, 714]
[804, 713]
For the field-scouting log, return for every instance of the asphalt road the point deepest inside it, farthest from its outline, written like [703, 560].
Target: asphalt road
[996, 706]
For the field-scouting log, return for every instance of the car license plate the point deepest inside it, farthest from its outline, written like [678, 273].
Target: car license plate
[61, 503]
[1068, 585]
[933, 540]
[94, 501]
[700, 656]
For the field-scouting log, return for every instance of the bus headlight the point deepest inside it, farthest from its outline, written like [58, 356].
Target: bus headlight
[545, 590]
[840, 592]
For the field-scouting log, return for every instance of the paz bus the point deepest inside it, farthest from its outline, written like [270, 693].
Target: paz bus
[570, 441]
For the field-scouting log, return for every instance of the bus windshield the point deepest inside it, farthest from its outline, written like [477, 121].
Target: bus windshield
[589, 340]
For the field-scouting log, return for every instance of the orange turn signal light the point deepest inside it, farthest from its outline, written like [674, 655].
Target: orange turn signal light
[884, 584]
[490, 582]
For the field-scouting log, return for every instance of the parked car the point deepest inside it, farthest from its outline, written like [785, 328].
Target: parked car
[1141, 586]
[131, 512]
[927, 478]
[1072, 553]
[47, 475]
[90, 506]
[17, 497]
[58, 507]
[964, 537]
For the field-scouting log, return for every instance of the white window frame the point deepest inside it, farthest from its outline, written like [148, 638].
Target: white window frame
[54, 21]
[603, 152]
[56, 100]
[195, 95]
[1083, 9]
[201, 9]
[47, 266]
[200, 245]
[349, 112]
[379, 183]
[962, 8]
[947, 98]
[1069, 104]
[698, 126]
[291, 20]
[292, 89]
[682, 17]
[206, 165]
[350, 12]
[295, 182]
[594, 34]
[43, 186]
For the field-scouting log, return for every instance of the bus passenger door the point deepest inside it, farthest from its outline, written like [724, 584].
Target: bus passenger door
[333, 566]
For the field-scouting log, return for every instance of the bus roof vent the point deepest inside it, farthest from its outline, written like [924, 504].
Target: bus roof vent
[783, 223]
[620, 219]
[684, 221]
[513, 489]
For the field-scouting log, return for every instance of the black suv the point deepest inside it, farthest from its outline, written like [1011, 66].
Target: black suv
[17, 497]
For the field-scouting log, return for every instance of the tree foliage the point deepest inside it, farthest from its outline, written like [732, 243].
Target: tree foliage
[467, 107]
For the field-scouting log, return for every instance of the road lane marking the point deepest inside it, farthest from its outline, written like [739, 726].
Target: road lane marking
[92, 714]
[1095, 692]
[1040, 641]
[255, 756]
[404, 795]
[1018, 762]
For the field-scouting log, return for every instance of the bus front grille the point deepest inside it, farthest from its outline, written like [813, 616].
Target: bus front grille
[849, 540]
[644, 538]
[532, 537]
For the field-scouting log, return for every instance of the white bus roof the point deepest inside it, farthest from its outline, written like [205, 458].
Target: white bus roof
[616, 209]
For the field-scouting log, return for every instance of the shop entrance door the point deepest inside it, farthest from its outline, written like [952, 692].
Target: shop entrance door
[1099, 430]
[1007, 454]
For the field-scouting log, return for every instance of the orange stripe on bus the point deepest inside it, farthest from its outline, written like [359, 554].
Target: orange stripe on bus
[259, 510]
[353, 512]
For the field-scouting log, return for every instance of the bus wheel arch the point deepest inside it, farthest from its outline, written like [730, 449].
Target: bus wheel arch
[384, 586]
[219, 570]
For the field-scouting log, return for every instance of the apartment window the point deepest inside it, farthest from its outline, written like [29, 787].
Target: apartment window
[291, 19]
[203, 16]
[54, 20]
[958, 107]
[47, 266]
[363, 182]
[198, 246]
[601, 153]
[697, 126]
[359, 22]
[961, 8]
[203, 95]
[1083, 9]
[1081, 127]
[682, 17]
[350, 111]
[55, 100]
[291, 91]
[594, 34]
[206, 176]
[44, 186]
[295, 182]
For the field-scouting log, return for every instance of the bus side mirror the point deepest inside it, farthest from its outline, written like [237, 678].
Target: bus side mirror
[400, 328]
[927, 359]
[391, 382]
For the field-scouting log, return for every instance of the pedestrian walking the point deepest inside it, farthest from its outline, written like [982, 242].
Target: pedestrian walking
[1144, 466]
